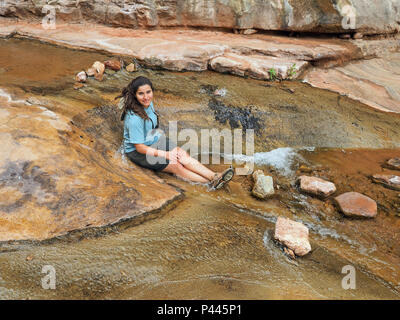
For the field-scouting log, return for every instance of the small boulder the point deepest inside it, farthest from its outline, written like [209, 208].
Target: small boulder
[388, 180]
[393, 164]
[263, 185]
[99, 67]
[358, 35]
[316, 186]
[91, 72]
[293, 235]
[131, 67]
[354, 204]
[113, 64]
[81, 77]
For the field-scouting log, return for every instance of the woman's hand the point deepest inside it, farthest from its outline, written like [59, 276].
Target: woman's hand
[173, 156]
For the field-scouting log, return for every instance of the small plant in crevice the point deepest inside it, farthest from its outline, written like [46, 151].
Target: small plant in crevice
[292, 72]
[272, 74]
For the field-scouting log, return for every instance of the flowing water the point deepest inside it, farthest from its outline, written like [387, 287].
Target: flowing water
[205, 245]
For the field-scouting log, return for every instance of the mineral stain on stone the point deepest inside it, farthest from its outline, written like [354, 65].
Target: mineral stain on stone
[236, 116]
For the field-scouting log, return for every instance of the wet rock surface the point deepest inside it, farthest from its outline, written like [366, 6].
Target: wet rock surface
[263, 185]
[292, 234]
[393, 164]
[354, 204]
[316, 186]
[389, 181]
[211, 234]
[260, 56]
[53, 180]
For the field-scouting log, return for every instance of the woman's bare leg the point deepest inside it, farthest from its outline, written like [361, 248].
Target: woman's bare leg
[194, 165]
[182, 172]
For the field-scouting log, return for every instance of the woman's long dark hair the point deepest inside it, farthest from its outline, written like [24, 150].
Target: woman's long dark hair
[129, 95]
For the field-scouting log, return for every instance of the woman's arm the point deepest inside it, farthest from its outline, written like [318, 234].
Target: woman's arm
[142, 148]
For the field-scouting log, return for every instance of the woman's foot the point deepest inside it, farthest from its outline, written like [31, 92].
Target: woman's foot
[221, 179]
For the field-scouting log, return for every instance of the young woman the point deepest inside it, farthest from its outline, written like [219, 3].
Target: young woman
[148, 148]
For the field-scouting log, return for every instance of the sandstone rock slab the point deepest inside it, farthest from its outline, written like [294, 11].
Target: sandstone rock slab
[293, 235]
[354, 204]
[49, 186]
[257, 66]
[373, 82]
[316, 186]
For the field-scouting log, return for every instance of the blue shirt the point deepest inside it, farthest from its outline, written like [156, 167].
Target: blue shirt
[138, 130]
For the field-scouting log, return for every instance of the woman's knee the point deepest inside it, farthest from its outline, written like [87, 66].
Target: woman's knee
[184, 157]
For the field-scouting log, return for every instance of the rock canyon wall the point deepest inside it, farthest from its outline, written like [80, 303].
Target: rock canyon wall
[324, 16]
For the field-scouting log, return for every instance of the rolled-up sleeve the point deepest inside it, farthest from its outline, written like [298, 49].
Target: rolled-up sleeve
[135, 128]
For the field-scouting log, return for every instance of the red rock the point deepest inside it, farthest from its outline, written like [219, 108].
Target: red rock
[293, 235]
[373, 82]
[388, 180]
[113, 64]
[370, 17]
[316, 186]
[354, 204]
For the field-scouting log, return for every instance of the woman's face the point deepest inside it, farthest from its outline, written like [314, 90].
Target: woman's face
[144, 95]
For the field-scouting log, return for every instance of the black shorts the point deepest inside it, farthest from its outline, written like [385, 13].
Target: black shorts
[150, 162]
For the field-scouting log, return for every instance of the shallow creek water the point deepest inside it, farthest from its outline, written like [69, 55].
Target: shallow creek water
[215, 245]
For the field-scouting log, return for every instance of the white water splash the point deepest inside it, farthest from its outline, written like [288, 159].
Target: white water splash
[281, 159]
[6, 95]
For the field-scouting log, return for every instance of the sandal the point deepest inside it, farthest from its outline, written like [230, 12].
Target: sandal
[219, 182]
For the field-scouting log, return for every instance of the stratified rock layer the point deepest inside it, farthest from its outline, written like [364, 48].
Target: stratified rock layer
[374, 82]
[294, 15]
